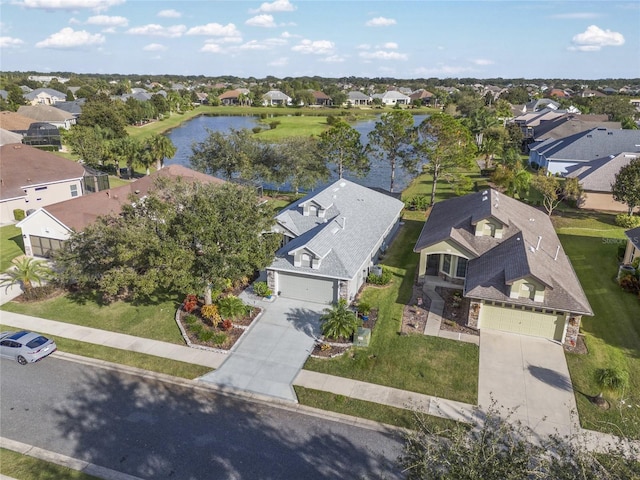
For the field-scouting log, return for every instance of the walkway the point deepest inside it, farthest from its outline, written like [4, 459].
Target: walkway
[270, 355]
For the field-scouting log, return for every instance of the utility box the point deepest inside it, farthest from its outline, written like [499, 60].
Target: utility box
[362, 337]
[376, 270]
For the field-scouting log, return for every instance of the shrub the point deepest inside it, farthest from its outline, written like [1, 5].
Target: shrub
[18, 214]
[219, 338]
[274, 124]
[39, 293]
[190, 319]
[262, 289]
[630, 284]
[256, 129]
[210, 312]
[364, 308]
[383, 279]
[206, 335]
[338, 321]
[418, 202]
[227, 325]
[612, 379]
[627, 221]
[190, 303]
[231, 307]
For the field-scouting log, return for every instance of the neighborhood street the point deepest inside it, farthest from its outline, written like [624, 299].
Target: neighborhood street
[151, 429]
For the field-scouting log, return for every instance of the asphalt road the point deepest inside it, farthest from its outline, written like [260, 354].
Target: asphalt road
[157, 430]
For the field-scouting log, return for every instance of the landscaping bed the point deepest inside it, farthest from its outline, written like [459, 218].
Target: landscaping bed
[415, 313]
[456, 311]
[336, 347]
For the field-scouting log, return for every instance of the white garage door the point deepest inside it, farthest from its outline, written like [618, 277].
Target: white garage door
[311, 289]
[524, 322]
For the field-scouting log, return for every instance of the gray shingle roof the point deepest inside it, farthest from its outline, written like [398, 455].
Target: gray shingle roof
[49, 91]
[356, 220]
[634, 236]
[598, 175]
[529, 248]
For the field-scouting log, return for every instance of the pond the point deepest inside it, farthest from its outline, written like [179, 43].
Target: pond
[197, 130]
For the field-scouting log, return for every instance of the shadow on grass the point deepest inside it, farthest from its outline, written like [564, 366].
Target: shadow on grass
[17, 239]
[84, 297]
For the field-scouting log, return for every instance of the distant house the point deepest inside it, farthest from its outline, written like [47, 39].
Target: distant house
[276, 98]
[32, 178]
[392, 97]
[14, 122]
[332, 238]
[48, 114]
[423, 96]
[46, 229]
[45, 96]
[235, 97]
[632, 251]
[73, 107]
[509, 262]
[596, 178]
[557, 155]
[322, 99]
[358, 99]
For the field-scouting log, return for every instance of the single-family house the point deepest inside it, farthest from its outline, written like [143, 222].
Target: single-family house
[392, 97]
[32, 178]
[423, 96]
[509, 262]
[358, 99]
[274, 98]
[555, 155]
[596, 177]
[48, 114]
[14, 122]
[632, 251]
[331, 239]
[73, 107]
[45, 96]
[46, 229]
[239, 96]
[321, 99]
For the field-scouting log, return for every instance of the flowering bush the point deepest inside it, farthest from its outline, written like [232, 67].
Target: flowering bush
[227, 324]
[210, 312]
[190, 303]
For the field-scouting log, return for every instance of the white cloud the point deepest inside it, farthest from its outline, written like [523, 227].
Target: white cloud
[108, 21]
[575, 16]
[98, 5]
[445, 71]
[253, 45]
[70, 38]
[482, 61]
[154, 47]
[227, 40]
[333, 59]
[382, 55]
[261, 21]
[380, 22]
[215, 30]
[169, 13]
[390, 45]
[364, 46]
[317, 47]
[277, 6]
[211, 48]
[7, 42]
[155, 30]
[279, 62]
[289, 35]
[594, 38]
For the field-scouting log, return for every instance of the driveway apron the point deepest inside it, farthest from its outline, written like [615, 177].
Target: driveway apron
[530, 376]
[273, 351]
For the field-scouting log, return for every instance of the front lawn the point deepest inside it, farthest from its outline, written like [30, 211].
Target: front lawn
[155, 320]
[11, 245]
[612, 335]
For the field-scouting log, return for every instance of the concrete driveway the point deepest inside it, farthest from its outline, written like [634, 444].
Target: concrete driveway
[530, 375]
[270, 355]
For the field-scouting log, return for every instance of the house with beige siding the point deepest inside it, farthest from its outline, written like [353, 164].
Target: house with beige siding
[632, 252]
[508, 261]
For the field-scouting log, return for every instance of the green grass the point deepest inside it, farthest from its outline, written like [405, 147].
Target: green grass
[612, 335]
[423, 364]
[297, 126]
[11, 245]
[376, 412]
[155, 320]
[24, 467]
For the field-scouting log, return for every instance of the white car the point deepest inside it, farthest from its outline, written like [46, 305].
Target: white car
[25, 347]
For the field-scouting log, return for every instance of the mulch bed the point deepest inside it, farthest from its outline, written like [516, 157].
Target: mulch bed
[456, 311]
[415, 313]
[580, 347]
[335, 347]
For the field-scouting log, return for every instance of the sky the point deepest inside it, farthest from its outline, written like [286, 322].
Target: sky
[327, 38]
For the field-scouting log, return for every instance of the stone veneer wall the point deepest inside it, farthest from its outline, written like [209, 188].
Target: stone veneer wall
[271, 281]
[573, 329]
[474, 314]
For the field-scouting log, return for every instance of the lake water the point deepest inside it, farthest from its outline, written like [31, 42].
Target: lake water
[197, 130]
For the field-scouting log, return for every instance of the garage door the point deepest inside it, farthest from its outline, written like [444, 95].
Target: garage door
[518, 321]
[311, 289]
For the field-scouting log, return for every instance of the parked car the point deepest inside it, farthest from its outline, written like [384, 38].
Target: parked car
[25, 347]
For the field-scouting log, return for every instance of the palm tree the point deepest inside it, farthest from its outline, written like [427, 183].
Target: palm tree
[160, 147]
[25, 272]
[338, 321]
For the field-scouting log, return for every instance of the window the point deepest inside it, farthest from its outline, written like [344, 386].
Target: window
[74, 190]
[446, 264]
[461, 269]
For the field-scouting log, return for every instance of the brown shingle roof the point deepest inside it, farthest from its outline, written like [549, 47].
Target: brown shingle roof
[22, 165]
[14, 121]
[80, 212]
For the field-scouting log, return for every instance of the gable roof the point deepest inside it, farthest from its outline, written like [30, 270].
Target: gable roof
[47, 91]
[589, 145]
[568, 124]
[276, 95]
[598, 175]
[44, 113]
[9, 137]
[356, 219]
[22, 166]
[356, 95]
[529, 248]
[80, 212]
[13, 121]
[634, 236]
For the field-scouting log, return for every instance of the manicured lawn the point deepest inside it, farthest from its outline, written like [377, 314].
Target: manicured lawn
[11, 245]
[24, 467]
[155, 320]
[429, 365]
[612, 335]
[297, 126]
